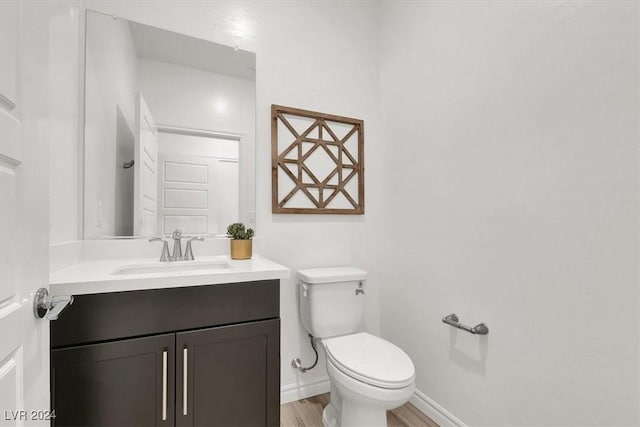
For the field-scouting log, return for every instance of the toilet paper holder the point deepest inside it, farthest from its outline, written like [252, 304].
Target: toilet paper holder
[452, 320]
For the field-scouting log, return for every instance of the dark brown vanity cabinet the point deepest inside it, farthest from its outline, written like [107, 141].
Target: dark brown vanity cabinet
[232, 391]
[194, 356]
[121, 383]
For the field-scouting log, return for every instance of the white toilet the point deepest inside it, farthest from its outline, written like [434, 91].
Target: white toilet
[368, 374]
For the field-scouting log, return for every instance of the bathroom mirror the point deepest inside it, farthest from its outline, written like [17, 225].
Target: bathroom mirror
[169, 132]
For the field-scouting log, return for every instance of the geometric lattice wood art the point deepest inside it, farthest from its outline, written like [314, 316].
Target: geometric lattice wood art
[317, 162]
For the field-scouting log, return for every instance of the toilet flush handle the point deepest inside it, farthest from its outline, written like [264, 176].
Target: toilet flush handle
[305, 290]
[360, 290]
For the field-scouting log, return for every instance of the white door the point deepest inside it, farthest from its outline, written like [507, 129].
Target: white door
[198, 194]
[187, 194]
[145, 214]
[228, 179]
[24, 225]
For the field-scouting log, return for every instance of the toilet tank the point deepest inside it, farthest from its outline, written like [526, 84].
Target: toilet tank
[331, 300]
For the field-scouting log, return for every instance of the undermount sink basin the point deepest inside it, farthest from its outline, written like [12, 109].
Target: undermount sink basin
[171, 267]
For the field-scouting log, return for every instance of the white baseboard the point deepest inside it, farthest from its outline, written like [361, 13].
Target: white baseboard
[444, 418]
[434, 411]
[293, 392]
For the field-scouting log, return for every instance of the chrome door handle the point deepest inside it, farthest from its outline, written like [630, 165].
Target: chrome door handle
[185, 355]
[164, 385]
[49, 307]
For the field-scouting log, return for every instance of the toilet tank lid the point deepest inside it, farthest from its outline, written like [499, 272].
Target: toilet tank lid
[314, 276]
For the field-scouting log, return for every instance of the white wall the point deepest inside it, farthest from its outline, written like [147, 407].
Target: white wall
[111, 84]
[64, 143]
[509, 164]
[335, 73]
[512, 135]
[197, 99]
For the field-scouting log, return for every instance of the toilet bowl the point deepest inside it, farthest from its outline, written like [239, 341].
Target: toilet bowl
[368, 374]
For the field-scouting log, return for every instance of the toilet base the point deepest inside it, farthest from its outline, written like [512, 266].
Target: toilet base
[330, 417]
[342, 413]
[332, 412]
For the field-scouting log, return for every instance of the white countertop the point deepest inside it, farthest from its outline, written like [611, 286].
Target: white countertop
[95, 277]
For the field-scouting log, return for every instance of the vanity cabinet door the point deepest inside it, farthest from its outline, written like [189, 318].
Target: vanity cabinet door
[120, 383]
[229, 376]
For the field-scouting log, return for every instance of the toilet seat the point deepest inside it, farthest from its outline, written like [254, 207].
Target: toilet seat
[371, 359]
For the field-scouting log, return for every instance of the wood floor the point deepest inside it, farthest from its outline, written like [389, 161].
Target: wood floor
[308, 413]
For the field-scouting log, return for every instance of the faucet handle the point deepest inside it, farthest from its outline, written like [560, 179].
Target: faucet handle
[164, 257]
[188, 252]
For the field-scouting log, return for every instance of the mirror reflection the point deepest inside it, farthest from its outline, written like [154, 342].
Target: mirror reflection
[169, 132]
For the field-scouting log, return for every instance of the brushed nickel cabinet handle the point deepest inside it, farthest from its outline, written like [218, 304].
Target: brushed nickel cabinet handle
[185, 354]
[164, 385]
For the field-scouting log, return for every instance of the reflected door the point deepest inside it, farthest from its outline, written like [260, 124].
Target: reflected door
[195, 193]
[145, 214]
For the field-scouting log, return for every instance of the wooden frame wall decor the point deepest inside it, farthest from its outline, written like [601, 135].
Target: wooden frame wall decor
[317, 162]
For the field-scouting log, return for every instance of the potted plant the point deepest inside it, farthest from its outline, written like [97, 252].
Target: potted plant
[241, 243]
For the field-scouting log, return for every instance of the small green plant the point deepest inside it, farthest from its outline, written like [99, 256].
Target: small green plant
[237, 231]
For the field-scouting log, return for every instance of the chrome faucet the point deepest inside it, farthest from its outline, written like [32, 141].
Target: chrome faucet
[177, 246]
[188, 253]
[165, 256]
